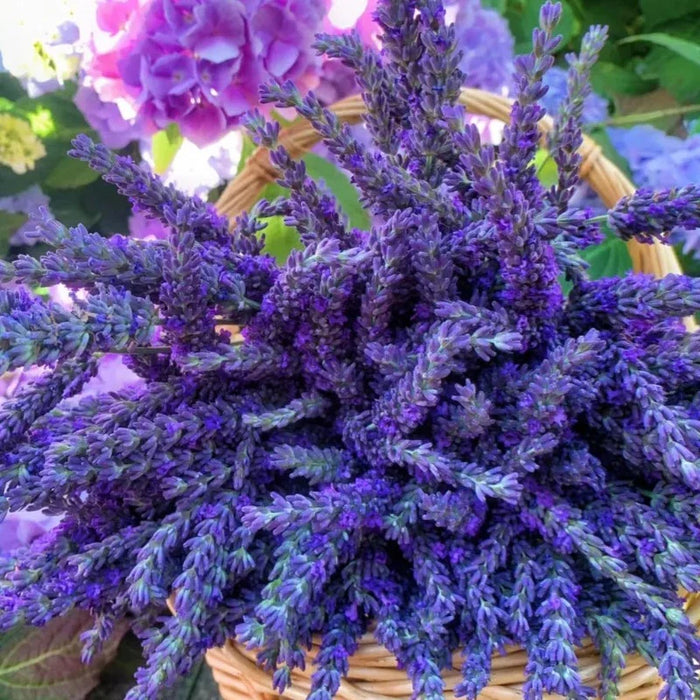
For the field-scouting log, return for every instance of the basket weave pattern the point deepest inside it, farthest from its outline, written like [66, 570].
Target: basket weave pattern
[373, 671]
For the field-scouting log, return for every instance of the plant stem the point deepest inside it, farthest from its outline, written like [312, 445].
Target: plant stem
[140, 350]
[641, 117]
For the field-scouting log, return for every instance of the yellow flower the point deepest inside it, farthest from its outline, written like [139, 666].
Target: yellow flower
[19, 146]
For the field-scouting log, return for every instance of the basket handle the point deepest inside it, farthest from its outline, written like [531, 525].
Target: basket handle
[600, 173]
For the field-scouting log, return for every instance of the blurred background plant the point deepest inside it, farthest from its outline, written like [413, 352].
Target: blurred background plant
[167, 81]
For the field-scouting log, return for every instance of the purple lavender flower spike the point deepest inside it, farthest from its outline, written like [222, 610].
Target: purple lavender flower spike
[413, 430]
[647, 215]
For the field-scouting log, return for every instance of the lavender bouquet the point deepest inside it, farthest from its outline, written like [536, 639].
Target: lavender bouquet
[418, 431]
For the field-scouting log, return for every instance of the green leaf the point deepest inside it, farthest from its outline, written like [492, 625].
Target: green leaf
[165, 144]
[677, 74]
[618, 15]
[609, 259]
[70, 173]
[339, 184]
[609, 79]
[11, 183]
[280, 239]
[689, 263]
[103, 205]
[687, 49]
[9, 223]
[66, 120]
[44, 662]
[117, 677]
[546, 167]
[198, 685]
[658, 12]
[10, 87]
[67, 207]
[247, 150]
[498, 5]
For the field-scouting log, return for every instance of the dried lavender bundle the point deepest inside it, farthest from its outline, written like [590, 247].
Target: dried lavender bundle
[420, 431]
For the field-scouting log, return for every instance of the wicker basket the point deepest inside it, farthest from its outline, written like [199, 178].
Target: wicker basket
[373, 673]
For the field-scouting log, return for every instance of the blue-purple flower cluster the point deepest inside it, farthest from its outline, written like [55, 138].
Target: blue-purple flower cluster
[411, 429]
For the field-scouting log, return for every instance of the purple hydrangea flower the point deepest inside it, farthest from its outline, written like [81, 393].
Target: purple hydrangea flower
[106, 118]
[487, 45]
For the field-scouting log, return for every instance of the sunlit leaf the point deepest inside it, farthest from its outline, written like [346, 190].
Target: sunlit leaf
[339, 184]
[687, 49]
[165, 144]
[546, 168]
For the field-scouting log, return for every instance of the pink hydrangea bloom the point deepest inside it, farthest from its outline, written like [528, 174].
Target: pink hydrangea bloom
[198, 63]
[108, 103]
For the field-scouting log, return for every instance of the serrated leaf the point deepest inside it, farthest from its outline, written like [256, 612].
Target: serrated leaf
[686, 49]
[165, 144]
[70, 173]
[339, 184]
[44, 662]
